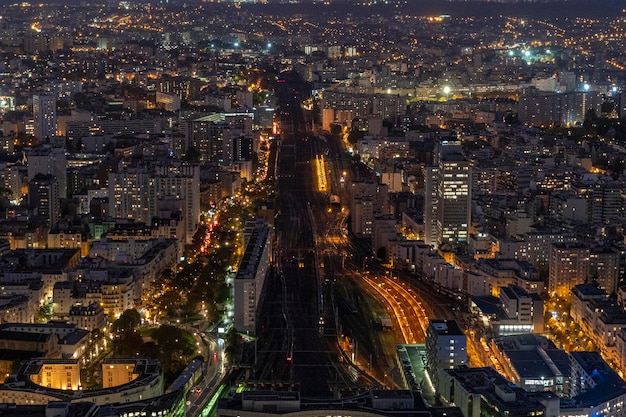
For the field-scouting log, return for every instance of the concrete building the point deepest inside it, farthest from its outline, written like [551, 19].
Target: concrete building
[446, 347]
[604, 265]
[367, 199]
[514, 312]
[187, 88]
[569, 266]
[431, 203]
[447, 196]
[90, 317]
[542, 108]
[18, 308]
[67, 238]
[124, 381]
[95, 132]
[596, 389]
[607, 201]
[522, 308]
[14, 177]
[61, 375]
[119, 294]
[582, 295]
[501, 272]
[113, 290]
[43, 197]
[484, 392]
[43, 267]
[454, 196]
[533, 363]
[602, 320]
[48, 160]
[128, 249]
[385, 238]
[215, 136]
[376, 403]
[410, 255]
[53, 408]
[115, 284]
[45, 116]
[363, 105]
[250, 278]
[50, 340]
[166, 101]
[140, 193]
[536, 246]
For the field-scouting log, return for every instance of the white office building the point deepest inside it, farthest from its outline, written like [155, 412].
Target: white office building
[446, 347]
[250, 277]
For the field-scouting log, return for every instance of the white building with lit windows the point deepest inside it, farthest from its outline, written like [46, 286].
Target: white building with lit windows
[454, 198]
[250, 277]
[569, 266]
[446, 347]
[142, 193]
[516, 311]
[447, 186]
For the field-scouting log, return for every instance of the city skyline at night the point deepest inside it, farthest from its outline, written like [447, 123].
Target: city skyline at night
[261, 208]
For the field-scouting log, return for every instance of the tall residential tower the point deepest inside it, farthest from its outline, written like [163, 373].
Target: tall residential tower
[143, 193]
[45, 115]
[447, 200]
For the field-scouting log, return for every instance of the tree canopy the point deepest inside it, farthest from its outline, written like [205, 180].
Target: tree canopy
[128, 320]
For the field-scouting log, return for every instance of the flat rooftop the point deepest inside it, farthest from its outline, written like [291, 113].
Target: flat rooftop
[391, 394]
[446, 327]
[529, 364]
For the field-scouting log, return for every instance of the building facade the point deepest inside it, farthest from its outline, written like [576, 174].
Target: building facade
[45, 116]
[142, 194]
[447, 196]
[446, 347]
[569, 266]
[250, 277]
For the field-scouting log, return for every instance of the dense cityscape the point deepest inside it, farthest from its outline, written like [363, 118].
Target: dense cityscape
[325, 208]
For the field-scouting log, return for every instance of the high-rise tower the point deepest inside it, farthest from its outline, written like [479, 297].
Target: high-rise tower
[142, 192]
[49, 161]
[45, 115]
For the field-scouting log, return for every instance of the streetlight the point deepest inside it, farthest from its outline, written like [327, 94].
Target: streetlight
[446, 91]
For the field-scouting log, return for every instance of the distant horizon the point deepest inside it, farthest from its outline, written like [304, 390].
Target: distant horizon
[462, 8]
[454, 8]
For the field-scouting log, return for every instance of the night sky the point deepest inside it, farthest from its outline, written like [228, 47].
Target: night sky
[547, 9]
[542, 8]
